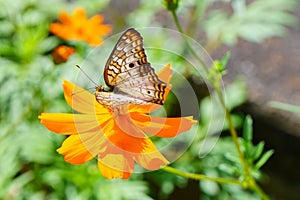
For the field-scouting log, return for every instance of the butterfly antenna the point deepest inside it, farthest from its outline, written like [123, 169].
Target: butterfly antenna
[86, 75]
[78, 92]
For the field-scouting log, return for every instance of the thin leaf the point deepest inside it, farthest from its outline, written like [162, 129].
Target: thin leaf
[264, 159]
[257, 32]
[256, 22]
[247, 135]
[225, 59]
[257, 151]
[285, 106]
[248, 130]
[227, 169]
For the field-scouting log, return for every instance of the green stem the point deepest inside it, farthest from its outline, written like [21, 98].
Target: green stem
[231, 127]
[249, 181]
[179, 28]
[248, 178]
[259, 191]
[201, 176]
[233, 132]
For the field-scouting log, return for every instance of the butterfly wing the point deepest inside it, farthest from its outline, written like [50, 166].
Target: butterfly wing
[128, 71]
[127, 53]
[144, 84]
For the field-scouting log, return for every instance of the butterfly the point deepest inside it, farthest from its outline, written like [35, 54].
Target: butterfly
[128, 75]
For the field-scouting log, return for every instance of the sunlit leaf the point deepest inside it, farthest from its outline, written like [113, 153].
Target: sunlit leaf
[254, 22]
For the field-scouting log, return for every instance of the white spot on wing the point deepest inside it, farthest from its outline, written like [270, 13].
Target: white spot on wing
[111, 67]
[130, 59]
[120, 61]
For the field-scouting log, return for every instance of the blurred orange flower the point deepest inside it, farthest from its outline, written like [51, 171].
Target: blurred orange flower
[78, 27]
[62, 53]
[116, 136]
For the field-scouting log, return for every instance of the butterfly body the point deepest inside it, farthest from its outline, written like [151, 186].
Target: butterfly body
[112, 99]
[128, 75]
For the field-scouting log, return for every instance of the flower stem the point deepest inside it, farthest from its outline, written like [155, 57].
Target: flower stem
[179, 28]
[201, 176]
[221, 98]
[248, 181]
[233, 133]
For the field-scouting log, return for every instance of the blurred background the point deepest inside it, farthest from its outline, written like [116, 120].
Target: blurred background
[263, 38]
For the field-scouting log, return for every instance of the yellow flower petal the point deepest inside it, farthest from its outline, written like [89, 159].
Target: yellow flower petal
[115, 166]
[151, 161]
[70, 124]
[81, 100]
[74, 151]
[126, 136]
[150, 158]
[162, 127]
[116, 136]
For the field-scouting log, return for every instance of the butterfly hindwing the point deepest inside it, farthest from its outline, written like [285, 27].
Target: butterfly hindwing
[144, 84]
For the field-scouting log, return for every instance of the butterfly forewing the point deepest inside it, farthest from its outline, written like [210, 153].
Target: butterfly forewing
[130, 75]
[127, 54]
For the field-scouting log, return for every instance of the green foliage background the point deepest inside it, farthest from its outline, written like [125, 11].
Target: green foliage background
[30, 83]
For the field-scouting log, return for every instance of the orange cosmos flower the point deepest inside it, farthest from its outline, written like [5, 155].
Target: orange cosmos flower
[62, 53]
[116, 136]
[78, 27]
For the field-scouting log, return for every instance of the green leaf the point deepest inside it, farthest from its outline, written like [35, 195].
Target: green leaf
[225, 59]
[6, 28]
[285, 106]
[209, 187]
[47, 44]
[232, 157]
[250, 31]
[258, 150]
[264, 159]
[255, 22]
[248, 130]
[119, 189]
[235, 94]
[237, 121]
[229, 169]
[247, 136]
